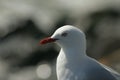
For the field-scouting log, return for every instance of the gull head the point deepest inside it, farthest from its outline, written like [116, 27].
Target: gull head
[67, 36]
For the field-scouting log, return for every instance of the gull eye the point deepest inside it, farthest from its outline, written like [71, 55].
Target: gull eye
[64, 34]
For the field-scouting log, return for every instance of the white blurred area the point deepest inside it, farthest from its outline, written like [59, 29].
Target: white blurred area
[46, 14]
[44, 71]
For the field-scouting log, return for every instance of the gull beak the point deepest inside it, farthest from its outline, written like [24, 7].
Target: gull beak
[47, 40]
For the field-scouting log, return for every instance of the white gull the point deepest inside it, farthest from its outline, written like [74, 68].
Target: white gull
[72, 61]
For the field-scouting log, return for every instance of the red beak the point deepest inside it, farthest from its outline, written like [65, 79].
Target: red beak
[47, 40]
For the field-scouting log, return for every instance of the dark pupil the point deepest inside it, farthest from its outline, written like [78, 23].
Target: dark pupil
[64, 34]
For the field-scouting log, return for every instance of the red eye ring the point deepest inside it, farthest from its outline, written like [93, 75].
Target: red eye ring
[64, 34]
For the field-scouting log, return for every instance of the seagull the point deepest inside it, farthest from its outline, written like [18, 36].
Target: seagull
[72, 61]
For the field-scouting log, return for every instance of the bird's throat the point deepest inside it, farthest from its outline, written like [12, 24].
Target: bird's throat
[71, 56]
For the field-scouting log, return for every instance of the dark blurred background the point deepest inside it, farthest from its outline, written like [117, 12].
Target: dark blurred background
[23, 23]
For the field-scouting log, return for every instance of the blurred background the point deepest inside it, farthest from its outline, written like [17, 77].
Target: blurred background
[23, 23]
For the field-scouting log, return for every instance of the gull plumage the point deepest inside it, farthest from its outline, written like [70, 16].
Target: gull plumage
[72, 61]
